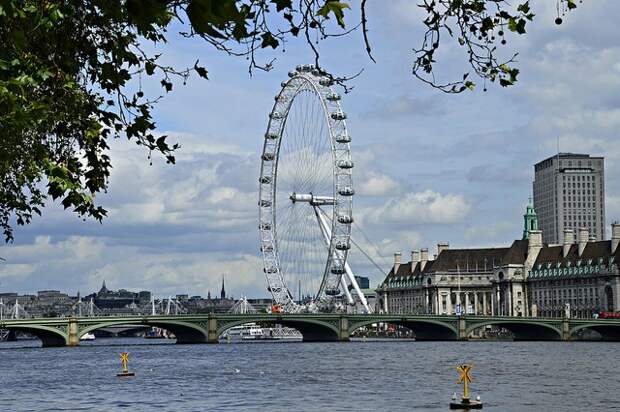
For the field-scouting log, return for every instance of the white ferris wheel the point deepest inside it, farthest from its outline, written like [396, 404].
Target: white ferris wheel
[305, 200]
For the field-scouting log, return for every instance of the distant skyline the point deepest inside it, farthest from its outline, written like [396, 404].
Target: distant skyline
[429, 167]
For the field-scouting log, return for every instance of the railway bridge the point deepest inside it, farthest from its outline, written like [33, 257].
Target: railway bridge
[315, 327]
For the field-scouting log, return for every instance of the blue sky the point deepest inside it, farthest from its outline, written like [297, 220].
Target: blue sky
[430, 167]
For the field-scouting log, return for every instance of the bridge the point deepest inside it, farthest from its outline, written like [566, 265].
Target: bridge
[315, 327]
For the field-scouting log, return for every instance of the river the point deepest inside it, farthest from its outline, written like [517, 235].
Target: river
[355, 376]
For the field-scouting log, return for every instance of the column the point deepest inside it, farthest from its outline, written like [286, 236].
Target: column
[74, 339]
[509, 300]
[212, 336]
[466, 308]
[385, 302]
[475, 303]
[484, 303]
[343, 334]
[449, 302]
[498, 303]
[496, 310]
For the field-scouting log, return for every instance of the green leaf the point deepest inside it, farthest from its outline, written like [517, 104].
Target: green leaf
[517, 26]
[524, 8]
[282, 4]
[202, 72]
[149, 67]
[336, 8]
[269, 40]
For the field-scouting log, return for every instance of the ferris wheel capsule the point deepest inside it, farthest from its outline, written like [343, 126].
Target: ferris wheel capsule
[345, 164]
[339, 115]
[333, 96]
[346, 219]
[343, 138]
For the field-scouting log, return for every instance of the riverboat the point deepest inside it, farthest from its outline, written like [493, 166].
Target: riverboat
[254, 332]
[88, 336]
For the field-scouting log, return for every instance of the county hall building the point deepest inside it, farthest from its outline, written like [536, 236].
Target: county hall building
[577, 278]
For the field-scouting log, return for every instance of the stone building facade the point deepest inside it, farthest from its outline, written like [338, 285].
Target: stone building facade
[578, 278]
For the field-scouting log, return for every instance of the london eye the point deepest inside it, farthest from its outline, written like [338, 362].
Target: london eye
[305, 197]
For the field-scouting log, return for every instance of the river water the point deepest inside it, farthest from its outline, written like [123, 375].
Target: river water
[355, 376]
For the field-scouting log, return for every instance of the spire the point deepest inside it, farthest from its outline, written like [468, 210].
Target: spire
[223, 292]
[530, 220]
[103, 289]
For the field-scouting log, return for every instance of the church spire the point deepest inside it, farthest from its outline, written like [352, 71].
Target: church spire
[103, 289]
[530, 220]
[223, 292]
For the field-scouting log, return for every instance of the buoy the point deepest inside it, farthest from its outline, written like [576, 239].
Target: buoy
[124, 360]
[465, 379]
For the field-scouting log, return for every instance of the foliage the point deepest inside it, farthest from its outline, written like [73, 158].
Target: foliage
[71, 71]
[481, 27]
[70, 80]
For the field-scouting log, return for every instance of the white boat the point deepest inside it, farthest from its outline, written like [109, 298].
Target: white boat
[253, 332]
[88, 336]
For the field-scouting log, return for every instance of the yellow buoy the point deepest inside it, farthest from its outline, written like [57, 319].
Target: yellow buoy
[465, 379]
[124, 361]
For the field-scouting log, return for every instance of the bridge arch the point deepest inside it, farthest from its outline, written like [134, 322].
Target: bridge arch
[424, 329]
[608, 332]
[522, 330]
[49, 335]
[185, 332]
[312, 330]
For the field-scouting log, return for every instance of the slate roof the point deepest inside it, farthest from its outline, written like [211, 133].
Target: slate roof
[593, 251]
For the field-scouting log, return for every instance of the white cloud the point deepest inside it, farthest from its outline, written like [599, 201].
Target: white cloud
[421, 208]
[377, 184]
[490, 231]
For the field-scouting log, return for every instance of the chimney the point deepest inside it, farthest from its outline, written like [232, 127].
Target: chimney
[423, 258]
[569, 239]
[396, 261]
[415, 258]
[582, 239]
[441, 247]
[615, 236]
[534, 245]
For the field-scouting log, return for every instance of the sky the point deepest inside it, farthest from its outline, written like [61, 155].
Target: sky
[429, 167]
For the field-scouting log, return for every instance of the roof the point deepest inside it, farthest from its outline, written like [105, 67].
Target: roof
[517, 252]
[463, 259]
[593, 251]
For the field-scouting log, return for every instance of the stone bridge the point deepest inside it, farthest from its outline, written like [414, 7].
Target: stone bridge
[314, 327]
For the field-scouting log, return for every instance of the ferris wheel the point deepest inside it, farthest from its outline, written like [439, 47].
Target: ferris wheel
[305, 200]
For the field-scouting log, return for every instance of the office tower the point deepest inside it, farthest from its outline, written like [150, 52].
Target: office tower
[569, 193]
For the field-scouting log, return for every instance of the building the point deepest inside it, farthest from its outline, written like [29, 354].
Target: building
[529, 278]
[121, 301]
[569, 193]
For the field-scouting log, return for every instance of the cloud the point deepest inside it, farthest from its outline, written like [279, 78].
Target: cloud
[376, 184]
[404, 105]
[421, 208]
[493, 231]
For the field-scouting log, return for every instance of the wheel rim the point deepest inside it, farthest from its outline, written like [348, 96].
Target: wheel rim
[305, 171]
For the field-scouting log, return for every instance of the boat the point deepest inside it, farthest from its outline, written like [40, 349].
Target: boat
[254, 332]
[88, 336]
[157, 333]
